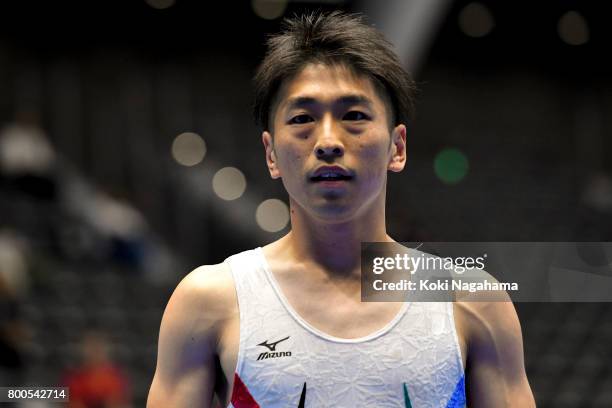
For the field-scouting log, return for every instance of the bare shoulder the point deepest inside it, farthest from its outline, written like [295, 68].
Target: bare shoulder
[495, 370]
[188, 339]
[206, 296]
[211, 286]
[208, 277]
[486, 323]
[481, 315]
[484, 314]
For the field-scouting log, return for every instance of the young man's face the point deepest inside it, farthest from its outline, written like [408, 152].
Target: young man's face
[331, 143]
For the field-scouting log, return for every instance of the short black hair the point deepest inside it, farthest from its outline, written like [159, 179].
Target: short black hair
[332, 38]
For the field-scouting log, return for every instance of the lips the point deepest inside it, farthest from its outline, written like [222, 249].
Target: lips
[331, 173]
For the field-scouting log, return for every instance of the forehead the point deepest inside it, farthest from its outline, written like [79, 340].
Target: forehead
[327, 83]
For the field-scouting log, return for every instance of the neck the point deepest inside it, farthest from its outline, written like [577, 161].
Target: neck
[334, 246]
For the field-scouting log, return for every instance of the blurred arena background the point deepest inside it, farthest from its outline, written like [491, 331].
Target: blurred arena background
[128, 157]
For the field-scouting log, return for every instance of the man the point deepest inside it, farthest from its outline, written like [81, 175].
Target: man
[284, 325]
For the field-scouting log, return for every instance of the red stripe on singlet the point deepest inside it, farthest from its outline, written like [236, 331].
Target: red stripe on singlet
[241, 397]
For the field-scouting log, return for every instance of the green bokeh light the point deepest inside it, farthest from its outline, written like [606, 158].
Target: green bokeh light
[451, 165]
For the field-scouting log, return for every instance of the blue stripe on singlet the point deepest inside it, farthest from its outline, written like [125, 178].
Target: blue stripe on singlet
[457, 400]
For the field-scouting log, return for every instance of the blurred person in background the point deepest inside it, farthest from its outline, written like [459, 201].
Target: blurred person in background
[97, 382]
[27, 158]
[284, 325]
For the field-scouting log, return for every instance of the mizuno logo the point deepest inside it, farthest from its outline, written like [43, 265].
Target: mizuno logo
[272, 346]
[273, 353]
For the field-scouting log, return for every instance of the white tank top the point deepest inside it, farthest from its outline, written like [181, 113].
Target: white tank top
[414, 361]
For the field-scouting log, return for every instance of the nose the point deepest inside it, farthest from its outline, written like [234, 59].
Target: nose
[329, 151]
[329, 144]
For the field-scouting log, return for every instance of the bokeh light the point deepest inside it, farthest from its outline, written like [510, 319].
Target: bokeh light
[188, 149]
[272, 215]
[573, 28]
[229, 183]
[451, 166]
[160, 4]
[476, 20]
[269, 9]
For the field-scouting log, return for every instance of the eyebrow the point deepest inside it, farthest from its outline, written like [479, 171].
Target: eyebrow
[352, 99]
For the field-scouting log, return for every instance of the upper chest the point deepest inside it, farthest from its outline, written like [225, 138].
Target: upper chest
[334, 306]
[289, 320]
[412, 347]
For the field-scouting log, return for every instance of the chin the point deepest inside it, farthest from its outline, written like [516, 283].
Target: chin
[334, 213]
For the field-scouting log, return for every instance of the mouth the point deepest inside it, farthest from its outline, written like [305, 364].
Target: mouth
[330, 177]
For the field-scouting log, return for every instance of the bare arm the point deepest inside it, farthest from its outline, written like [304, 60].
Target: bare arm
[495, 372]
[185, 371]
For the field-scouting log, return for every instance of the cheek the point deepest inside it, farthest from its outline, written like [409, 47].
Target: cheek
[290, 157]
[374, 151]
[375, 155]
[373, 158]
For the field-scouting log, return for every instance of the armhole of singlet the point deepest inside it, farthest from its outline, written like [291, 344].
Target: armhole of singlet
[241, 320]
[451, 314]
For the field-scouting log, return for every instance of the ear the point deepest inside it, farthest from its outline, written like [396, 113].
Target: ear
[398, 149]
[268, 142]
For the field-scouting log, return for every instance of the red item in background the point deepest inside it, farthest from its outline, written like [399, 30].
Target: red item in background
[97, 386]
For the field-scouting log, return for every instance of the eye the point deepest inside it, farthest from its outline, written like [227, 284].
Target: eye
[300, 119]
[355, 115]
